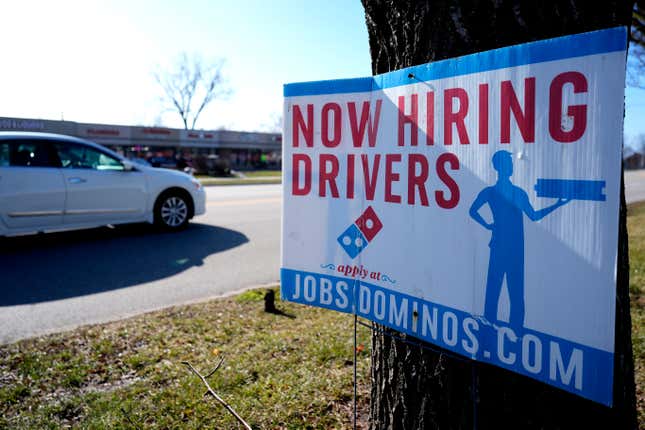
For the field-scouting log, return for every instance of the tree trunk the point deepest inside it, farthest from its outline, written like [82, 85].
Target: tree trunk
[415, 388]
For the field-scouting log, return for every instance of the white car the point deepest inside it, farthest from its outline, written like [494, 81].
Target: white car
[51, 182]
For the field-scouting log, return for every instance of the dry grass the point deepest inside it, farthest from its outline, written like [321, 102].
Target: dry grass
[636, 227]
[279, 372]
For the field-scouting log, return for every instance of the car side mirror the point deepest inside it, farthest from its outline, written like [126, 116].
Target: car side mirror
[127, 165]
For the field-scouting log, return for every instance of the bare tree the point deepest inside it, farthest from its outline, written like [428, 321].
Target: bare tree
[638, 143]
[191, 85]
[274, 124]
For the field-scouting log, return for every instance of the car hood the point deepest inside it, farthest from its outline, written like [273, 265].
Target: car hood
[157, 171]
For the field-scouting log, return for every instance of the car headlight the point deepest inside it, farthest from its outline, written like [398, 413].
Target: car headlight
[196, 183]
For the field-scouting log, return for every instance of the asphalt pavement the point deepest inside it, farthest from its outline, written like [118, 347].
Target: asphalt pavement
[59, 281]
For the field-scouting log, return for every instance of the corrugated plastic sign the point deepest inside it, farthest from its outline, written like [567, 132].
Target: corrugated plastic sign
[472, 203]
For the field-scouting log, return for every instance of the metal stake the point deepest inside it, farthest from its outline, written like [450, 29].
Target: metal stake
[355, 379]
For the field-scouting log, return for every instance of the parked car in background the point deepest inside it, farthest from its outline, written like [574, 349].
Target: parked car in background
[163, 162]
[212, 165]
[51, 182]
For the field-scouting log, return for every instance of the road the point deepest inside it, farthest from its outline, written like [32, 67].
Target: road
[59, 281]
[634, 185]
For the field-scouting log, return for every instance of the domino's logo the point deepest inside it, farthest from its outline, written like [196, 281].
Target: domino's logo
[356, 238]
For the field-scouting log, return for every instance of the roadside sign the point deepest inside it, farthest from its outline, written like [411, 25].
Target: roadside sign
[472, 203]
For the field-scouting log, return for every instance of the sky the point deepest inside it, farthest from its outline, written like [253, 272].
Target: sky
[94, 61]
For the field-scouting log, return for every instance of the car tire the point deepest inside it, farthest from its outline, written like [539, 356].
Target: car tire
[173, 210]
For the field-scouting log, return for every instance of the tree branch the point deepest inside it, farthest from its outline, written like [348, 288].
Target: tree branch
[214, 394]
[191, 86]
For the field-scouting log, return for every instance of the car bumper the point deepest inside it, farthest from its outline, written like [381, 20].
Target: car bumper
[199, 197]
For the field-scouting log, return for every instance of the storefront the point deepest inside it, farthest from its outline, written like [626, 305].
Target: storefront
[166, 147]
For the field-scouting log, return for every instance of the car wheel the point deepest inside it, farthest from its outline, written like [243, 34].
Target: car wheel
[172, 211]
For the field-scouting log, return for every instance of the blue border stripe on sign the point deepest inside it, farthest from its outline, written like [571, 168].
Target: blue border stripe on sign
[358, 85]
[578, 45]
[573, 367]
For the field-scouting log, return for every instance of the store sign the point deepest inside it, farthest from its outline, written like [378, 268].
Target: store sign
[472, 203]
[111, 132]
[22, 124]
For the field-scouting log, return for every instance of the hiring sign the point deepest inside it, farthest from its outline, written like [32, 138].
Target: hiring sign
[472, 203]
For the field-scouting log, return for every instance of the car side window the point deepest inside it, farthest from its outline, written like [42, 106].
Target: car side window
[30, 153]
[73, 156]
[4, 154]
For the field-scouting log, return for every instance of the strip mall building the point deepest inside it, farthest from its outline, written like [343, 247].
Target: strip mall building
[243, 150]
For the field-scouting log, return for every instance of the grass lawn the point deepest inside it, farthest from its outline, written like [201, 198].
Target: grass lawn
[263, 173]
[279, 372]
[208, 181]
[248, 178]
[636, 228]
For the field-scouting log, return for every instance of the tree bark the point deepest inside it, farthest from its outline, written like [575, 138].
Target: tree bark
[413, 387]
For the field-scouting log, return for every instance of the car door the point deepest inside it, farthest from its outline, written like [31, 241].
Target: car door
[99, 189]
[32, 189]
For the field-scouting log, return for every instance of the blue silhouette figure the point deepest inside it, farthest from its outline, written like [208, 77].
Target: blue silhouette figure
[507, 203]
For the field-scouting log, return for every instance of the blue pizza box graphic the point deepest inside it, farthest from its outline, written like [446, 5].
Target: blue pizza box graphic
[573, 189]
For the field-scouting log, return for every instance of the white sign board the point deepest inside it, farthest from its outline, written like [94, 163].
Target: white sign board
[472, 203]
